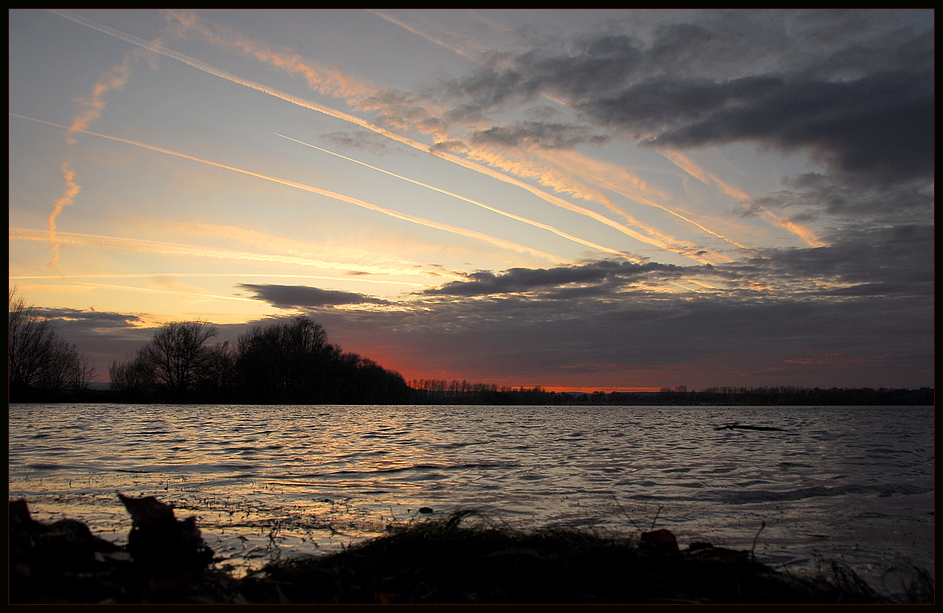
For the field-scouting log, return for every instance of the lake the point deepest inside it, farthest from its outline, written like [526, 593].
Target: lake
[854, 484]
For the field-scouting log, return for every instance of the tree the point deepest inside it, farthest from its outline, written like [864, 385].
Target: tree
[176, 355]
[37, 357]
[30, 337]
[133, 378]
[65, 369]
[285, 361]
[217, 377]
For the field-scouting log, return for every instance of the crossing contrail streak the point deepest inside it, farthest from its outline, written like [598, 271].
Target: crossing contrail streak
[169, 248]
[531, 222]
[562, 181]
[336, 196]
[688, 166]
[662, 239]
[214, 275]
[555, 200]
[420, 33]
[597, 176]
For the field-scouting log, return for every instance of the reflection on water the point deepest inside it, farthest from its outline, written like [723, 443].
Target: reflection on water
[854, 483]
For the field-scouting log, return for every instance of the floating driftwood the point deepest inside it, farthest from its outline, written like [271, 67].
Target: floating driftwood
[738, 426]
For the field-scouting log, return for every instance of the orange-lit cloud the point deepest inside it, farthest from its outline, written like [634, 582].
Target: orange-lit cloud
[322, 79]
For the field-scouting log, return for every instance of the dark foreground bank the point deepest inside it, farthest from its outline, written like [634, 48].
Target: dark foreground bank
[459, 559]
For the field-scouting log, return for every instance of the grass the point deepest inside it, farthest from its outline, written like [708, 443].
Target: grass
[455, 560]
[465, 558]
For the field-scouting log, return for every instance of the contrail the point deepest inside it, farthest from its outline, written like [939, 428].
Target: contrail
[168, 248]
[597, 175]
[560, 181]
[663, 241]
[284, 245]
[687, 165]
[418, 32]
[531, 222]
[658, 235]
[113, 79]
[72, 190]
[374, 128]
[215, 275]
[154, 290]
[336, 196]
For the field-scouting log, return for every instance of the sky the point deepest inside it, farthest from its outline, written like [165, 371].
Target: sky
[588, 200]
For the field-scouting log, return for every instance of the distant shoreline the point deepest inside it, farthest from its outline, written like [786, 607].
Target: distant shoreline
[782, 396]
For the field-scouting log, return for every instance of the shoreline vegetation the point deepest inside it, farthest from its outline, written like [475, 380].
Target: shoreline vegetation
[763, 396]
[290, 361]
[463, 558]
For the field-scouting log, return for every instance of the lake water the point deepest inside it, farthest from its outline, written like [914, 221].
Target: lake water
[849, 483]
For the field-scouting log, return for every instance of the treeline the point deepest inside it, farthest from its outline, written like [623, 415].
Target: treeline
[287, 362]
[41, 366]
[798, 396]
[441, 391]
[436, 391]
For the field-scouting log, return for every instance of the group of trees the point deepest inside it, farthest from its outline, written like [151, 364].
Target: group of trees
[286, 362]
[40, 364]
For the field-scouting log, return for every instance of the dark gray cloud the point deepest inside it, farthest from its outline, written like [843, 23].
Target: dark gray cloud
[300, 296]
[873, 338]
[810, 195]
[361, 139]
[864, 261]
[90, 318]
[853, 89]
[518, 280]
[538, 134]
[879, 126]
[856, 313]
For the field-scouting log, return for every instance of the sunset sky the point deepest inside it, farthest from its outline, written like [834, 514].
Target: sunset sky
[591, 200]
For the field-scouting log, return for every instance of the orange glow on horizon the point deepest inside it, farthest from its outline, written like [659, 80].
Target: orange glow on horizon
[605, 389]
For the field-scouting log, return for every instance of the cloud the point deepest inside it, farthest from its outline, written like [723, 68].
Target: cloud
[875, 126]
[808, 196]
[739, 338]
[875, 262]
[522, 280]
[92, 317]
[538, 134]
[300, 296]
[850, 90]
[362, 139]
[792, 81]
